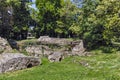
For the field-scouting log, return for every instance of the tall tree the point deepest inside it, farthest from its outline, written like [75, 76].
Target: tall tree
[21, 19]
[5, 18]
[100, 21]
[56, 18]
[111, 15]
[67, 25]
[92, 27]
[47, 16]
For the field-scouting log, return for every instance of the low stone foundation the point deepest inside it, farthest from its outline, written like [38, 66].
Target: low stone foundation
[57, 48]
[16, 61]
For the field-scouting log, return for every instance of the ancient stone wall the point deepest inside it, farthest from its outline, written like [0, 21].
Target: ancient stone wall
[57, 41]
[16, 61]
[60, 49]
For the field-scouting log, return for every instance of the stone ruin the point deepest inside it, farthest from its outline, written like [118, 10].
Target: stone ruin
[60, 49]
[16, 61]
[57, 41]
[65, 47]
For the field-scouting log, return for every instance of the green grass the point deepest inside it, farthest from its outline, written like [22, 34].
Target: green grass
[27, 42]
[100, 66]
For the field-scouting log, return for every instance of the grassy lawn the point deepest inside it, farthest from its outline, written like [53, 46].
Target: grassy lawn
[99, 66]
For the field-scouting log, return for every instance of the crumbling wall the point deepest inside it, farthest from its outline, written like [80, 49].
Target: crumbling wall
[16, 61]
[57, 48]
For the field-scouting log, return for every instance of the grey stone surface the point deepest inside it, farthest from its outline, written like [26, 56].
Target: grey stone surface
[47, 51]
[75, 47]
[55, 57]
[60, 49]
[16, 61]
[4, 45]
[39, 50]
[58, 41]
[34, 50]
[79, 49]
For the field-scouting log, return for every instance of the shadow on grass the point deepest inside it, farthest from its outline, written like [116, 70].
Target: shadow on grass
[109, 49]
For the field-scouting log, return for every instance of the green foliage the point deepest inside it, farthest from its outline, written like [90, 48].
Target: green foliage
[13, 2]
[68, 17]
[111, 18]
[5, 19]
[100, 21]
[21, 19]
[16, 29]
[55, 18]
[47, 15]
[95, 21]
[24, 43]
[14, 18]
[75, 29]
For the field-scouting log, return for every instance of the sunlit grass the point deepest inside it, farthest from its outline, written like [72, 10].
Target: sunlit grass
[100, 66]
